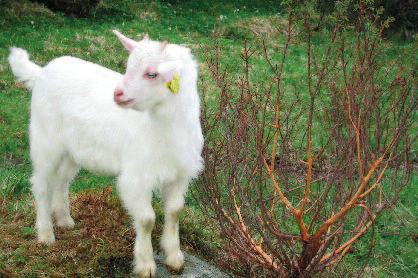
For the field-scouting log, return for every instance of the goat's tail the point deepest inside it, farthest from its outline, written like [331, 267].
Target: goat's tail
[25, 70]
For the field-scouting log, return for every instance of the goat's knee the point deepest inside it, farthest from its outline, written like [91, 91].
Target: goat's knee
[144, 221]
[170, 239]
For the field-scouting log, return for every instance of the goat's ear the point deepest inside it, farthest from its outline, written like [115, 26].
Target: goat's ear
[127, 42]
[169, 69]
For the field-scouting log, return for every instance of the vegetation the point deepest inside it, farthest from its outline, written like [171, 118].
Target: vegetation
[405, 13]
[101, 243]
[295, 176]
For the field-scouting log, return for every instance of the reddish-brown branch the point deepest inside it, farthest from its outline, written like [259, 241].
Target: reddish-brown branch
[352, 202]
[252, 244]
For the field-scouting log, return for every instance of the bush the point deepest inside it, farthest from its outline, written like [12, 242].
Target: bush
[405, 13]
[73, 8]
[303, 156]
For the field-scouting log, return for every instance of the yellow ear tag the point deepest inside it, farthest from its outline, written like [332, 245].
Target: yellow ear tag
[174, 84]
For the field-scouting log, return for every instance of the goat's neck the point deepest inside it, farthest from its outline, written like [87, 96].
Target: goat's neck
[182, 111]
[175, 115]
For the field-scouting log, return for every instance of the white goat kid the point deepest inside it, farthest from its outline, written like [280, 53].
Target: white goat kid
[143, 127]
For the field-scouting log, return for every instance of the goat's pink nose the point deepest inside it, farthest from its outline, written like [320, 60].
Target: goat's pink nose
[117, 95]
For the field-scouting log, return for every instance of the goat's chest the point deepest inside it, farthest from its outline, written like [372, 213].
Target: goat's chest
[162, 148]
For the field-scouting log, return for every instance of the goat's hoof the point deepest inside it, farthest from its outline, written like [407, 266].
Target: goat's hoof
[146, 272]
[150, 275]
[175, 271]
[66, 222]
[46, 238]
[175, 264]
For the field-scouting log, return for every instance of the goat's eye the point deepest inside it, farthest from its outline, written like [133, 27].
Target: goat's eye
[150, 75]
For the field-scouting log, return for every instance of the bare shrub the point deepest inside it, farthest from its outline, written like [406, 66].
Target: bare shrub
[297, 172]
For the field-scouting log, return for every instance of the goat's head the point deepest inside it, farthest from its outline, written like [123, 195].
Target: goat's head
[149, 74]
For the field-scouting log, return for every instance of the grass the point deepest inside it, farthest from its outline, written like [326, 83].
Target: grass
[101, 243]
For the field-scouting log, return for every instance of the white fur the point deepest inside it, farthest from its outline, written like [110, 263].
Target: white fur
[154, 141]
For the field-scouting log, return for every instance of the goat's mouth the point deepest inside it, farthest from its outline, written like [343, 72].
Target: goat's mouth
[125, 102]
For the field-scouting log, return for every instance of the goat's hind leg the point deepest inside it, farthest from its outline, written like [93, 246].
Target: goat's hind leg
[42, 196]
[45, 164]
[60, 206]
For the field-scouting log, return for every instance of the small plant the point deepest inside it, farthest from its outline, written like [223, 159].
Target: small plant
[297, 174]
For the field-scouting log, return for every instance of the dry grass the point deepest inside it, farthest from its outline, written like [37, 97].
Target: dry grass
[270, 27]
[101, 244]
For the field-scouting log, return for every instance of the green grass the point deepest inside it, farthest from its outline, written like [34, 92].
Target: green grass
[47, 35]
[396, 253]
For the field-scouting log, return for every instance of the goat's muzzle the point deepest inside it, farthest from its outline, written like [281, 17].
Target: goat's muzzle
[121, 99]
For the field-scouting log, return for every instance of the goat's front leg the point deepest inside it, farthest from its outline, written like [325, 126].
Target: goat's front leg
[170, 243]
[136, 193]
